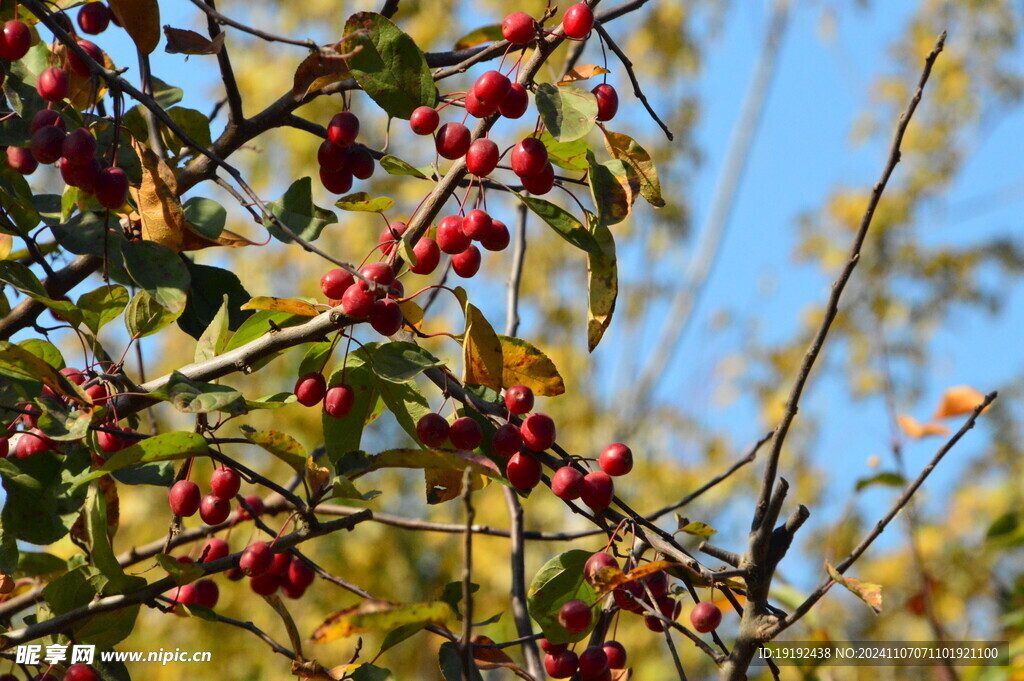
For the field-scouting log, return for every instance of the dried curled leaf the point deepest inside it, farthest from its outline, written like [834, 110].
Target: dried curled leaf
[183, 41]
[317, 71]
[141, 19]
[160, 211]
[867, 592]
[582, 73]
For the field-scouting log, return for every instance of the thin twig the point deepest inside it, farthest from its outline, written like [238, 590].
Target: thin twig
[628, 65]
[467, 577]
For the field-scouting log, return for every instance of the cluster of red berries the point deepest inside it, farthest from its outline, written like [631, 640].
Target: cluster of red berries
[595, 663]
[341, 161]
[372, 298]
[268, 572]
[312, 388]
[596, 489]
[215, 507]
[32, 440]
[204, 592]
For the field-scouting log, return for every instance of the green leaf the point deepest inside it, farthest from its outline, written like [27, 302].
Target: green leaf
[343, 435]
[259, 324]
[61, 424]
[450, 659]
[283, 446]
[399, 634]
[205, 296]
[614, 187]
[389, 66]
[194, 397]
[16, 198]
[297, 212]
[568, 112]
[102, 305]
[49, 208]
[166, 95]
[452, 595]
[479, 36]
[156, 474]
[206, 215]
[41, 504]
[316, 358]
[163, 447]
[39, 564]
[372, 615]
[886, 478]
[567, 155]
[181, 573]
[144, 316]
[406, 403]
[44, 350]
[195, 124]
[22, 363]
[23, 279]
[101, 552]
[567, 227]
[361, 202]
[626, 149]
[560, 580]
[369, 672]
[400, 361]
[393, 165]
[160, 271]
[213, 340]
[602, 283]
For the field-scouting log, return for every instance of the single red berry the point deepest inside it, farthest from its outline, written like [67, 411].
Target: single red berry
[477, 107]
[46, 144]
[519, 28]
[575, 616]
[519, 399]
[357, 302]
[310, 388]
[300, 574]
[255, 503]
[669, 607]
[498, 238]
[656, 583]
[234, 574]
[360, 163]
[467, 263]
[184, 498]
[330, 156]
[538, 432]
[507, 440]
[215, 548]
[529, 157]
[225, 483]
[516, 102]
[280, 565]
[432, 430]
[607, 101]
[339, 400]
[628, 596]
[541, 184]
[561, 665]
[567, 483]
[379, 273]
[78, 65]
[186, 595]
[424, 120]
[257, 559]
[80, 672]
[386, 317]
[523, 471]
[336, 181]
[207, 594]
[336, 282]
[450, 235]
[616, 459]
[53, 84]
[15, 40]
[705, 617]
[110, 442]
[291, 590]
[597, 490]
[552, 648]
[94, 18]
[453, 141]
[46, 117]
[616, 653]
[21, 160]
[578, 21]
[214, 510]
[343, 128]
[465, 433]
[86, 177]
[593, 663]
[598, 561]
[477, 224]
[482, 157]
[79, 147]
[112, 188]
[265, 585]
[428, 255]
[491, 88]
[390, 235]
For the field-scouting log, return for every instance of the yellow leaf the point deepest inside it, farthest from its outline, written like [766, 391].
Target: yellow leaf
[160, 210]
[444, 485]
[372, 615]
[412, 312]
[917, 430]
[626, 149]
[6, 240]
[289, 305]
[524, 364]
[582, 73]
[141, 19]
[960, 399]
[607, 578]
[481, 349]
[869, 593]
[602, 283]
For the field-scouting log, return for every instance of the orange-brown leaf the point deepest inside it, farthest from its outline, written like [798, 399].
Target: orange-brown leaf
[495, 658]
[183, 41]
[960, 399]
[867, 592]
[163, 219]
[917, 430]
[317, 71]
[582, 73]
[192, 240]
[141, 19]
